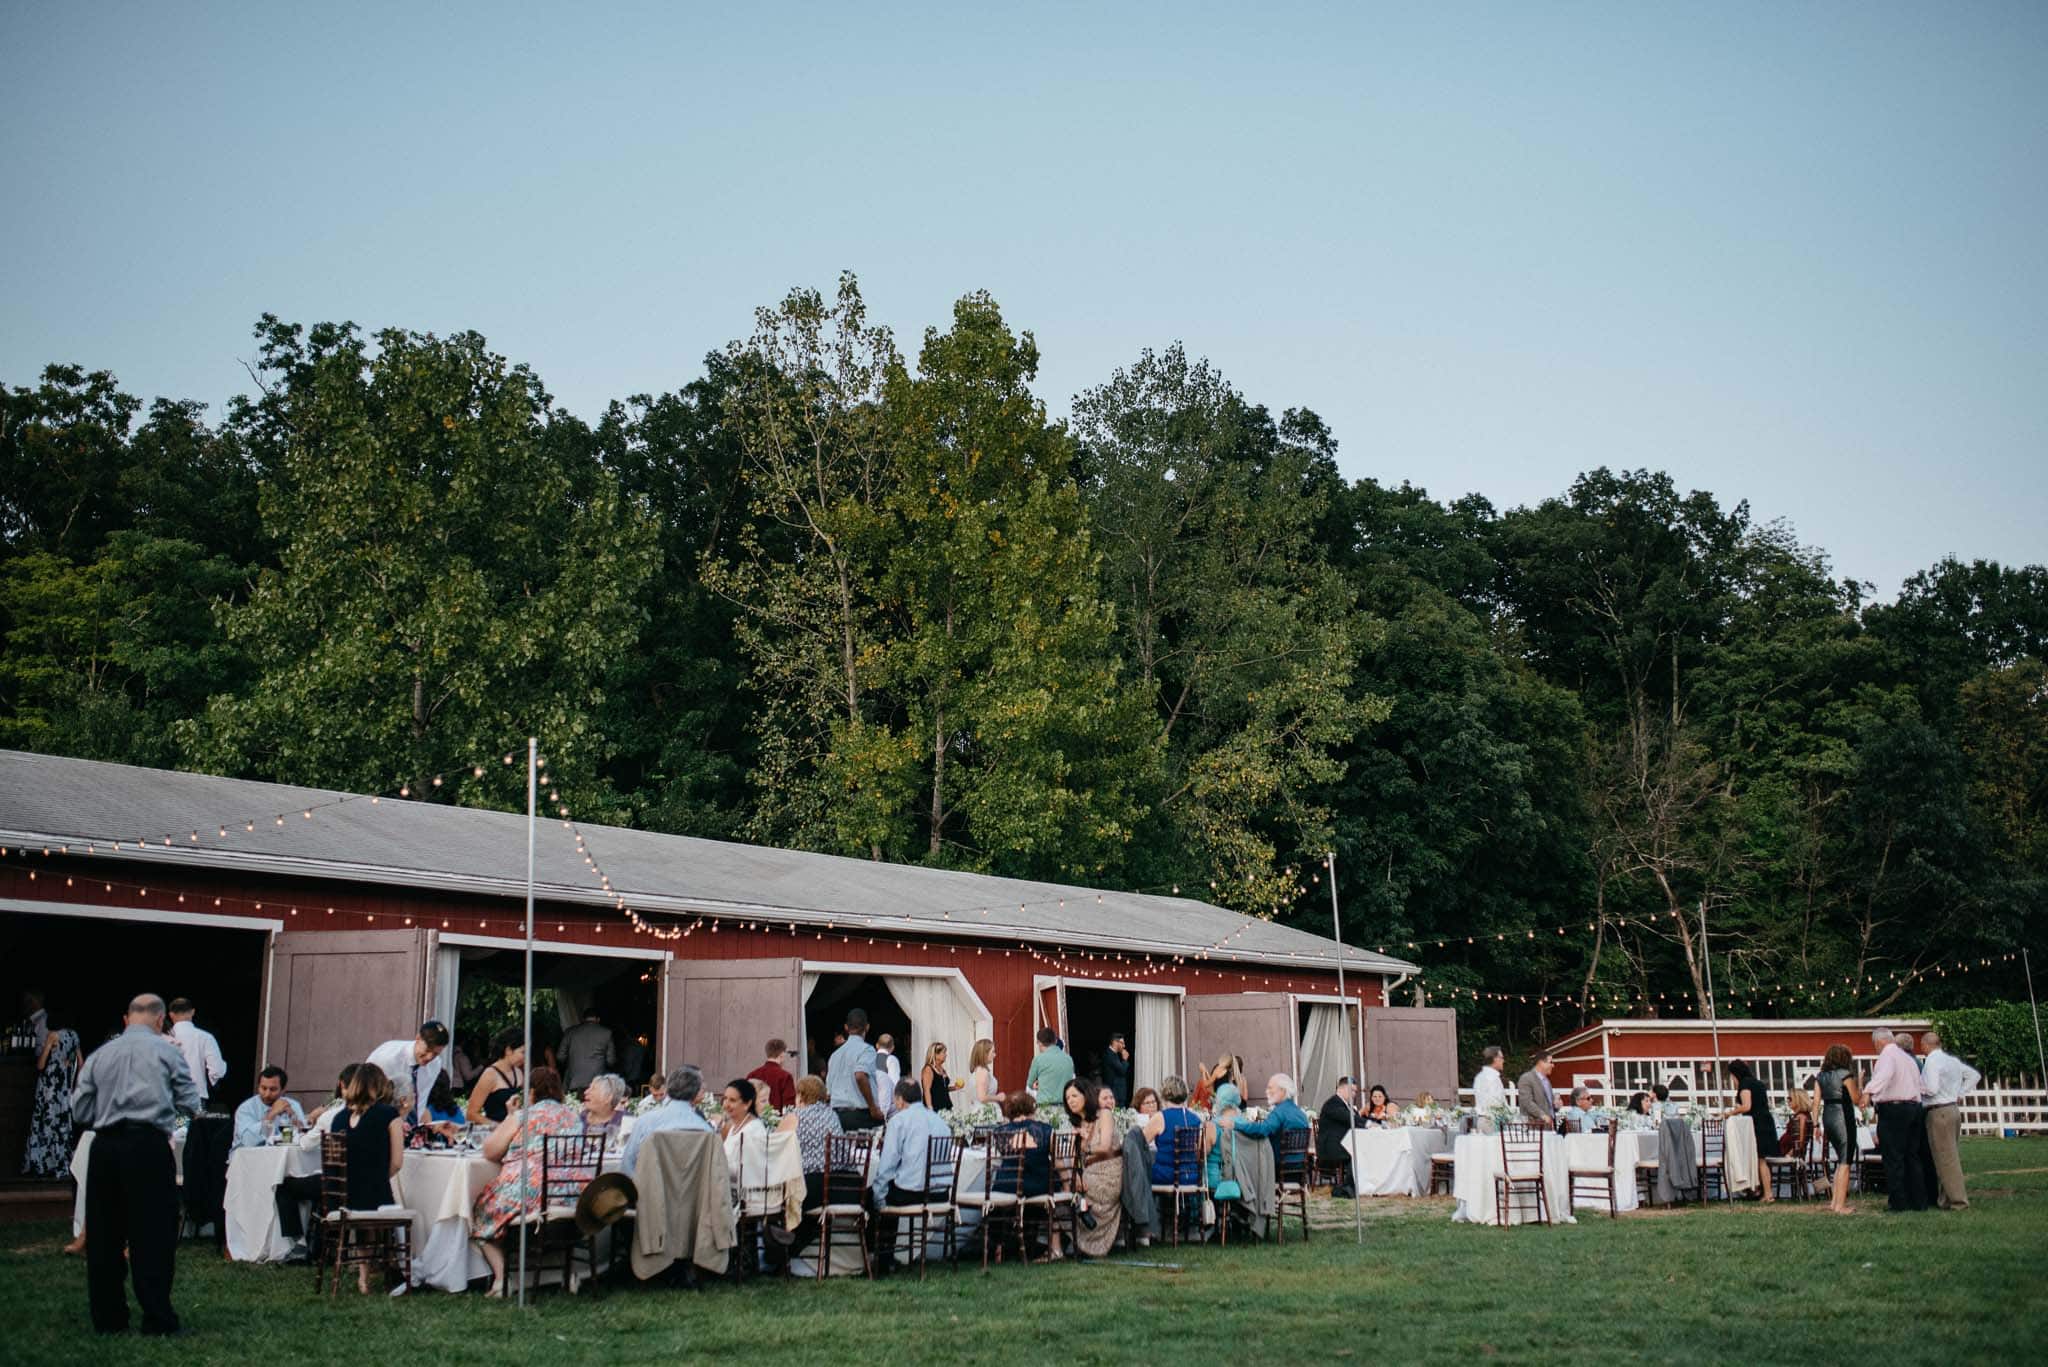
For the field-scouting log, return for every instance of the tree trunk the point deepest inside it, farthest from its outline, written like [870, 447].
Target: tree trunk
[938, 778]
[419, 707]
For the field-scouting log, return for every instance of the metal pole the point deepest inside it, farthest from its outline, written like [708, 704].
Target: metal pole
[526, 1000]
[2040, 1056]
[1713, 1008]
[1337, 934]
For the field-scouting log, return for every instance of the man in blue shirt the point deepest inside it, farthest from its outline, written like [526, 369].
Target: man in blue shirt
[1282, 1113]
[257, 1118]
[679, 1112]
[1578, 1117]
[850, 1077]
[902, 1175]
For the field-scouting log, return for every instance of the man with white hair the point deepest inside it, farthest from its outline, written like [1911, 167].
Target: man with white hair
[1944, 1081]
[679, 1112]
[1282, 1112]
[1901, 1135]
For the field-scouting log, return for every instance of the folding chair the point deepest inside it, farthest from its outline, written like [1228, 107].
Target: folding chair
[1790, 1169]
[1290, 1180]
[1184, 1166]
[1596, 1179]
[1713, 1158]
[1001, 1194]
[1443, 1167]
[357, 1238]
[941, 1171]
[1060, 1204]
[755, 1206]
[848, 1158]
[568, 1164]
[1521, 1170]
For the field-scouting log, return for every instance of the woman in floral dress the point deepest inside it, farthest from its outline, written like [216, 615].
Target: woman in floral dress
[49, 1127]
[514, 1194]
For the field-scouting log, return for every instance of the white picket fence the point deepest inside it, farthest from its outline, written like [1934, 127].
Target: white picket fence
[2007, 1111]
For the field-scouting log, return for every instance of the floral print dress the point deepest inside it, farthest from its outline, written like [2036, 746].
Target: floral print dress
[49, 1128]
[514, 1194]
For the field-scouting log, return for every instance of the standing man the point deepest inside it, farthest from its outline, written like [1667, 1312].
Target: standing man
[130, 1094]
[774, 1078]
[1051, 1069]
[1901, 1135]
[587, 1050]
[1944, 1081]
[202, 1050]
[1489, 1086]
[850, 1077]
[1534, 1096]
[1337, 1116]
[1116, 1069]
[413, 1063]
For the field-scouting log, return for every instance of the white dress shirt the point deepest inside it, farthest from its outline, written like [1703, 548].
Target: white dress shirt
[1489, 1089]
[1946, 1079]
[202, 1056]
[395, 1058]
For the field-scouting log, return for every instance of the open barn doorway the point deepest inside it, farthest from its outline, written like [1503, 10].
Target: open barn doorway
[834, 995]
[1094, 1016]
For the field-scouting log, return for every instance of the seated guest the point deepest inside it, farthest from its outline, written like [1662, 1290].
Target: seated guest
[441, 1110]
[1146, 1103]
[1799, 1129]
[812, 1122]
[1378, 1108]
[1174, 1116]
[1220, 1163]
[292, 1192]
[746, 1138]
[657, 1087]
[376, 1145]
[498, 1085]
[1028, 1171]
[1074, 1105]
[1336, 1118]
[413, 1064]
[1102, 1176]
[679, 1112]
[1282, 1112]
[1667, 1107]
[777, 1087]
[604, 1103]
[900, 1176]
[1577, 1118]
[1640, 1103]
[256, 1119]
[514, 1195]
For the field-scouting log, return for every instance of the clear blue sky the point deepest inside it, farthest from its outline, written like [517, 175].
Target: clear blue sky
[1793, 253]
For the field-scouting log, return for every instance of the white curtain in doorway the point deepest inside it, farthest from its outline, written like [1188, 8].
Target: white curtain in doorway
[569, 1004]
[937, 1016]
[447, 985]
[1155, 1050]
[1325, 1052]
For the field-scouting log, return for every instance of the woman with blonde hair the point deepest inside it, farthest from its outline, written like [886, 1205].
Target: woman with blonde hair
[981, 1069]
[932, 1079]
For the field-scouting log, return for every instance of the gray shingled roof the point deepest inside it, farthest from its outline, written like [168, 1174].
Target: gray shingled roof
[45, 798]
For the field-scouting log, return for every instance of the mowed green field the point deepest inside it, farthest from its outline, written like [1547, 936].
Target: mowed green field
[1726, 1284]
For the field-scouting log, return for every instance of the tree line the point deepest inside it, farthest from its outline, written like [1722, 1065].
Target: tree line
[831, 596]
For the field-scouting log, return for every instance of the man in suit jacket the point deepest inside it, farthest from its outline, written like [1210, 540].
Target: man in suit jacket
[1335, 1124]
[1533, 1096]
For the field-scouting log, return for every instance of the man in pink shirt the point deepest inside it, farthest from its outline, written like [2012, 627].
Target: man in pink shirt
[1901, 1137]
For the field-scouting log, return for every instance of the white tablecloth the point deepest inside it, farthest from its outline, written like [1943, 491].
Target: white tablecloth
[440, 1187]
[251, 1200]
[1590, 1151]
[78, 1166]
[1393, 1162]
[1478, 1161]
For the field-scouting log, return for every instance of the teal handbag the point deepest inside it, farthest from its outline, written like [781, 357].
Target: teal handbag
[1228, 1189]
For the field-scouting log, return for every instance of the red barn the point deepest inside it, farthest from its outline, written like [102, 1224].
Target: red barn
[1631, 1055]
[311, 925]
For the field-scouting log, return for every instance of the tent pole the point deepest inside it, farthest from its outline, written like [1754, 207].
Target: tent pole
[526, 999]
[2040, 1055]
[1713, 1007]
[1337, 934]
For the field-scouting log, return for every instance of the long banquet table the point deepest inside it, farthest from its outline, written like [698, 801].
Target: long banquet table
[1393, 1162]
[1478, 1161]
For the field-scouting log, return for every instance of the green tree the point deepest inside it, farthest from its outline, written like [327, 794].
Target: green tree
[456, 570]
[1208, 513]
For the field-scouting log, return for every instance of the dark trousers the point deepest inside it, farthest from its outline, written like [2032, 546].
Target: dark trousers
[131, 1207]
[1902, 1139]
[807, 1228]
[885, 1225]
[853, 1118]
[291, 1193]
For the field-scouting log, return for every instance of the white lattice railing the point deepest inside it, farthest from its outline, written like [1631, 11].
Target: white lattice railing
[1986, 1111]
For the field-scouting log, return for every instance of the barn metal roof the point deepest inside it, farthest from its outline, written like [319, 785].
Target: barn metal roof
[52, 799]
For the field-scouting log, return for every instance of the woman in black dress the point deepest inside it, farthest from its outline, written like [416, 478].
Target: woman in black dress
[938, 1088]
[375, 1136]
[1753, 1099]
[491, 1097]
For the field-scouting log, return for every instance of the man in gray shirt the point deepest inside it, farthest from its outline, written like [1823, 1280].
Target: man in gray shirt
[586, 1051]
[130, 1093]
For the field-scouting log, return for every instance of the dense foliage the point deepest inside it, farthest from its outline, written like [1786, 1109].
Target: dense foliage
[831, 596]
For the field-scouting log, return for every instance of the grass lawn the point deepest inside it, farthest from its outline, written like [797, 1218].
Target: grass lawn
[1722, 1284]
